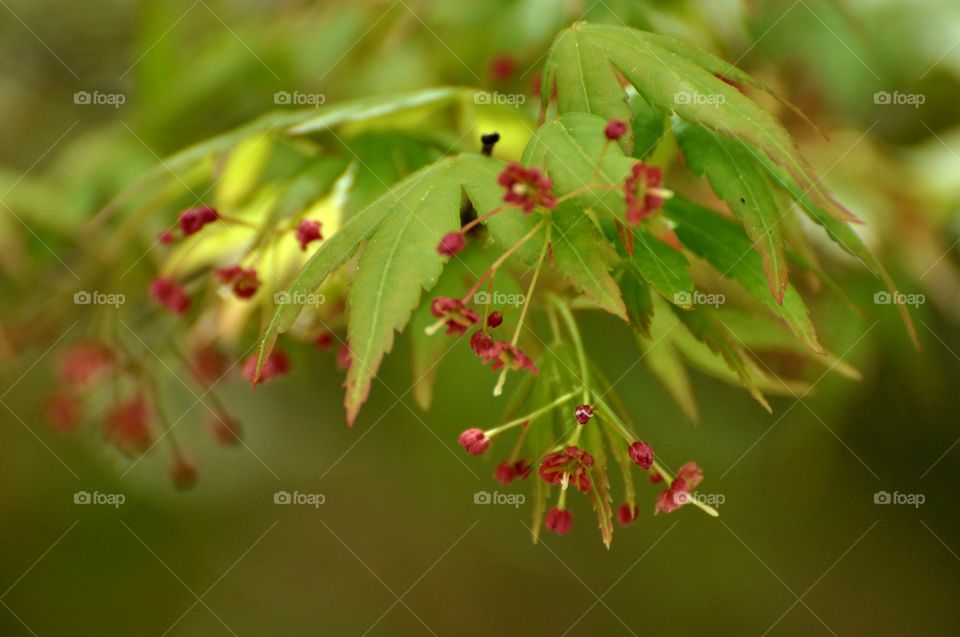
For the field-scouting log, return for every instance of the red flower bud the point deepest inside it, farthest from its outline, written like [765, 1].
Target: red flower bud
[615, 129]
[344, 360]
[678, 494]
[583, 414]
[474, 441]
[63, 411]
[225, 429]
[451, 244]
[505, 472]
[641, 453]
[245, 281]
[127, 426]
[502, 67]
[277, 364]
[323, 340]
[194, 219]
[209, 364]
[84, 363]
[307, 232]
[481, 343]
[643, 192]
[457, 316]
[526, 187]
[627, 515]
[572, 462]
[170, 294]
[559, 520]
[183, 473]
[494, 320]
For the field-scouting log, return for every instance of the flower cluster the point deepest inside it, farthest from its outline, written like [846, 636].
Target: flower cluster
[574, 465]
[244, 280]
[457, 316]
[527, 188]
[170, 295]
[508, 471]
[571, 464]
[307, 232]
[475, 441]
[678, 494]
[90, 373]
[643, 192]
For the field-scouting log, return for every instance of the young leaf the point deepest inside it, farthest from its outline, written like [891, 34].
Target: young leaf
[370, 107]
[705, 327]
[724, 244]
[672, 77]
[399, 261]
[621, 454]
[582, 256]
[541, 436]
[600, 498]
[843, 235]
[737, 179]
[636, 298]
[761, 333]
[334, 252]
[648, 127]
[663, 361]
[665, 268]
[569, 149]
[479, 175]
[575, 61]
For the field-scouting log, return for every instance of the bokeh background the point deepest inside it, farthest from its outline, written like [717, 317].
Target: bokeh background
[399, 547]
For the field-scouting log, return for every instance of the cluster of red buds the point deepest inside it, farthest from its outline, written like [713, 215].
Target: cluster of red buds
[567, 461]
[570, 463]
[529, 189]
[243, 281]
[108, 388]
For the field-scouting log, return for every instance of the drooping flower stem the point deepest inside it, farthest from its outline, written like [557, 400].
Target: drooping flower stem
[532, 287]
[596, 167]
[498, 389]
[518, 445]
[531, 416]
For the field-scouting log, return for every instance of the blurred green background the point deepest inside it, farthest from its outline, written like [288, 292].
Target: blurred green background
[801, 547]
